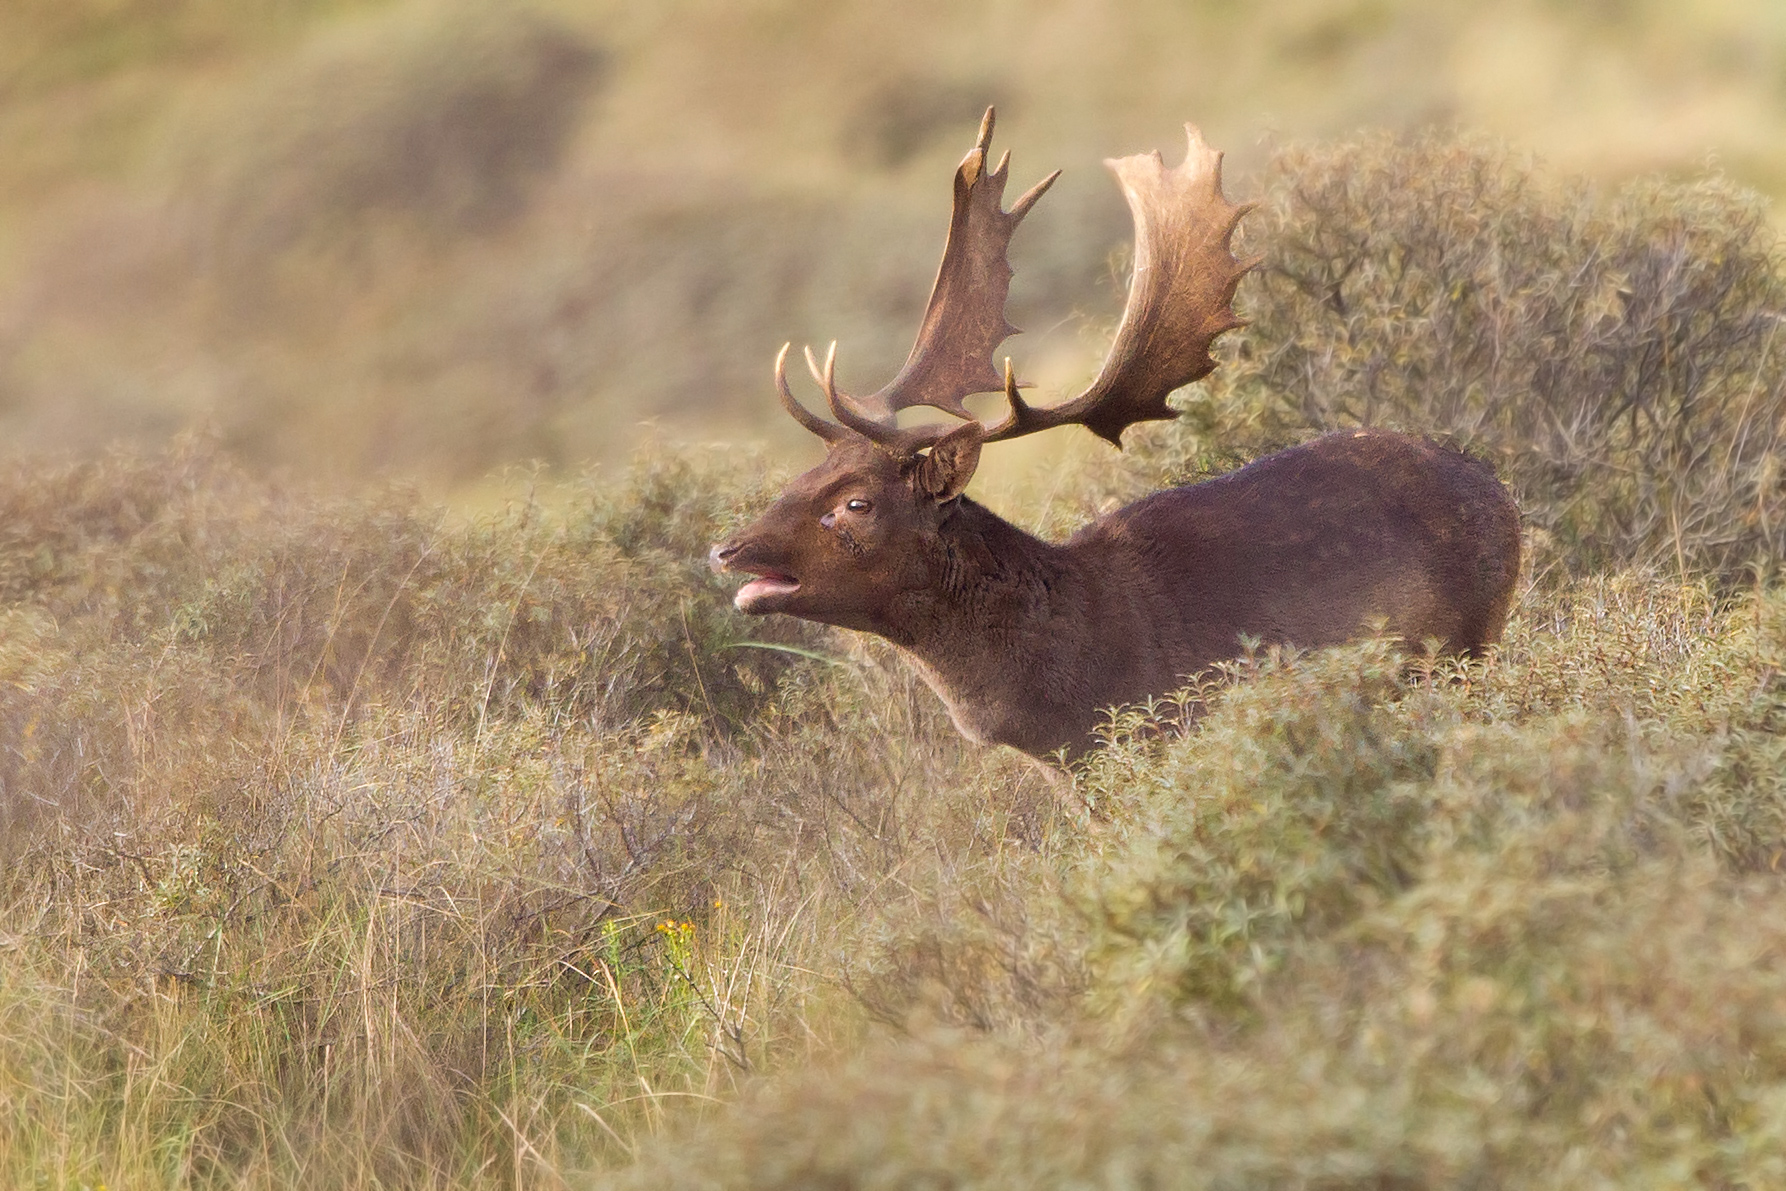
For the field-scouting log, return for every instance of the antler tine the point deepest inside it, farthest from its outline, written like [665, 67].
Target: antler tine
[983, 138]
[1019, 410]
[840, 409]
[908, 441]
[1028, 198]
[833, 400]
[828, 431]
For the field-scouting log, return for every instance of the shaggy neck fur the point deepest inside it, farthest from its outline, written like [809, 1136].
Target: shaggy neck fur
[998, 631]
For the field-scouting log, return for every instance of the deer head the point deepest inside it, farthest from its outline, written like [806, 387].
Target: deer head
[862, 529]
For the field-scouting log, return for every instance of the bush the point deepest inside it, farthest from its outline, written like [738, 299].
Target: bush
[1389, 922]
[1375, 926]
[350, 841]
[1298, 803]
[1617, 357]
[353, 811]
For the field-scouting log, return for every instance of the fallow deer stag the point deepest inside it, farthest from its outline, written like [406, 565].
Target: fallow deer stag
[1029, 642]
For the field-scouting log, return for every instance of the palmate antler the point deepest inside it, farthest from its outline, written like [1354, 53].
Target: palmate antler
[965, 319]
[1180, 298]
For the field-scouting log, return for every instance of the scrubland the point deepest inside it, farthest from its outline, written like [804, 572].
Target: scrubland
[351, 840]
[433, 237]
[357, 835]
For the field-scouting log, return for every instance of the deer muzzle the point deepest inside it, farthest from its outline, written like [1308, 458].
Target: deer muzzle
[770, 586]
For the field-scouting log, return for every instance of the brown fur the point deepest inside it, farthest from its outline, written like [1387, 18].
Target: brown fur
[1028, 642]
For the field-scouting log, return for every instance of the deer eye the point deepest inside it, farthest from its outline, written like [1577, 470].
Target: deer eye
[858, 505]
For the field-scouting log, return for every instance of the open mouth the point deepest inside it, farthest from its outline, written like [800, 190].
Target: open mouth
[764, 586]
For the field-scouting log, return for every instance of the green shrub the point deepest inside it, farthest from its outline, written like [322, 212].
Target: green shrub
[1297, 804]
[1373, 925]
[350, 841]
[1616, 356]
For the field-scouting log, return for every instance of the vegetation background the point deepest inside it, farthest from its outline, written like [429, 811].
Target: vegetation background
[389, 798]
[362, 237]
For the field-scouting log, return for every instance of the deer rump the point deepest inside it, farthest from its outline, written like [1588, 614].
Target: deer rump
[1030, 643]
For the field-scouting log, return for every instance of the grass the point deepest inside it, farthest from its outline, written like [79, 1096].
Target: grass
[351, 842]
[386, 848]
[1367, 926]
[349, 839]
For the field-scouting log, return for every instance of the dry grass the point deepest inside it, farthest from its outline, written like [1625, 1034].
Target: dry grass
[351, 841]
[388, 847]
[1512, 926]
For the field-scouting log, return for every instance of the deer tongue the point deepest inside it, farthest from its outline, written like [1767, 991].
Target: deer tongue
[764, 587]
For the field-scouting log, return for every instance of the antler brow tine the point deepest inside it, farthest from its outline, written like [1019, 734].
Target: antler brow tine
[811, 421]
[841, 409]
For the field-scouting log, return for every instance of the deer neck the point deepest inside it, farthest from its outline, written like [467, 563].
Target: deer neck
[996, 625]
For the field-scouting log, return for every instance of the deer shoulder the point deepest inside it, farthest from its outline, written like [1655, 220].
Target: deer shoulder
[1029, 642]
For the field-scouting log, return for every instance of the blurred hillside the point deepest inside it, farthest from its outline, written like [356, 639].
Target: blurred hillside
[358, 838]
[431, 238]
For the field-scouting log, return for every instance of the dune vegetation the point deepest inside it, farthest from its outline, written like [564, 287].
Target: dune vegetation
[386, 803]
[352, 840]
[430, 238]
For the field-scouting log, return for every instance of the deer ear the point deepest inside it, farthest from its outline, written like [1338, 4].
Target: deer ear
[943, 474]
